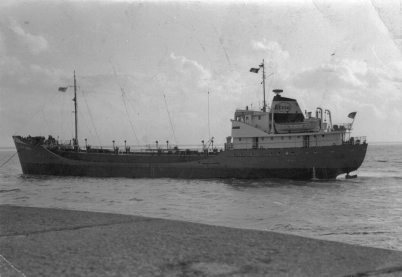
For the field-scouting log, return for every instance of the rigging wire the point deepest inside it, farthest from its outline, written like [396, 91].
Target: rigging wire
[270, 83]
[64, 131]
[125, 105]
[35, 114]
[171, 125]
[83, 119]
[209, 131]
[132, 105]
[93, 124]
[46, 122]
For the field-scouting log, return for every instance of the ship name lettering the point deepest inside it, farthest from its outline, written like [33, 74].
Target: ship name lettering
[283, 107]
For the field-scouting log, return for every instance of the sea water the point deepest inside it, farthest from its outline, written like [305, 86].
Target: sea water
[364, 211]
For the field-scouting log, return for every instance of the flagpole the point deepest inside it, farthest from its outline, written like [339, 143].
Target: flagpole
[75, 112]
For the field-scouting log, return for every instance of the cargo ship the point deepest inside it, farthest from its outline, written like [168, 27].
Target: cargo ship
[279, 141]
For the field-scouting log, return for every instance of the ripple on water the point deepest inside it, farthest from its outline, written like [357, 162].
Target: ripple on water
[365, 211]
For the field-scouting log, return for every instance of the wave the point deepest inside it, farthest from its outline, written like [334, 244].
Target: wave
[8, 190]
[356, 233]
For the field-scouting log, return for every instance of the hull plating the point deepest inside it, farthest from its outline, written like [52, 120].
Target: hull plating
[289, 163]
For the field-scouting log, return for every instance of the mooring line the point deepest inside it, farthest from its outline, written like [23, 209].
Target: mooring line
[8, 159]
[12, 266]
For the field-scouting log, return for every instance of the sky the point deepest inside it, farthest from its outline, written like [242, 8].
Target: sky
[176, 71]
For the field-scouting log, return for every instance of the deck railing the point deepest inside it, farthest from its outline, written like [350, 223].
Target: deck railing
[355, 140]
[341, 126]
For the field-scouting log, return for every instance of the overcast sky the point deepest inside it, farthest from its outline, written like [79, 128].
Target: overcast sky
[138, 63]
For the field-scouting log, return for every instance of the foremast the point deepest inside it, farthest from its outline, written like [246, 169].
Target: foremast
[75, 112]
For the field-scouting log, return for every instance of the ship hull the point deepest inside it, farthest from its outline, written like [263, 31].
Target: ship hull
[288, 163]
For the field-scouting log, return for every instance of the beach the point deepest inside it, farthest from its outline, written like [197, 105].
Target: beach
[59, 242]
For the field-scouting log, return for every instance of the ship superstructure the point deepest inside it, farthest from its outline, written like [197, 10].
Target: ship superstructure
[285, 126]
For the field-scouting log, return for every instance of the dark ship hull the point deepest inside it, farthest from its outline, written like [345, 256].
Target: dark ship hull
[302, 163]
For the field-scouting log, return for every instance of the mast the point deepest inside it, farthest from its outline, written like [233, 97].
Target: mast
[75, 111]
[264, 109]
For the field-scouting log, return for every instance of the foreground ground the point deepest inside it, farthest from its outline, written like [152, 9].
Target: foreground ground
[56, 242]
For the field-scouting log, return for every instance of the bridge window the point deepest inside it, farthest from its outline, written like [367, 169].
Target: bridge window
[281, 137]
[259, 117]
[239, 139]
[290, 137]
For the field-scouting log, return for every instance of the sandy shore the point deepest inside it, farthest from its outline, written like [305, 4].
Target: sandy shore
[56, 242]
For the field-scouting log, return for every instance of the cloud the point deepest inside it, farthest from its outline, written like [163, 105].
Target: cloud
[36, 44]
[340, 74]
[192, 69]
[51, 74]
[271, 46]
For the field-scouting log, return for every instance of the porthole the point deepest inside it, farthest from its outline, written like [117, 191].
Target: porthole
[279, 153]
[292, 152]
[286, 153]
[352, 149]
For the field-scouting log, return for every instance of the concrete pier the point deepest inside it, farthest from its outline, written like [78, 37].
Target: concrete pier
[56, 242]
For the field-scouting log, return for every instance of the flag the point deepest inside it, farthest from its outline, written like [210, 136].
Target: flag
[352, 115]
[255, 70]
[63, 89]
